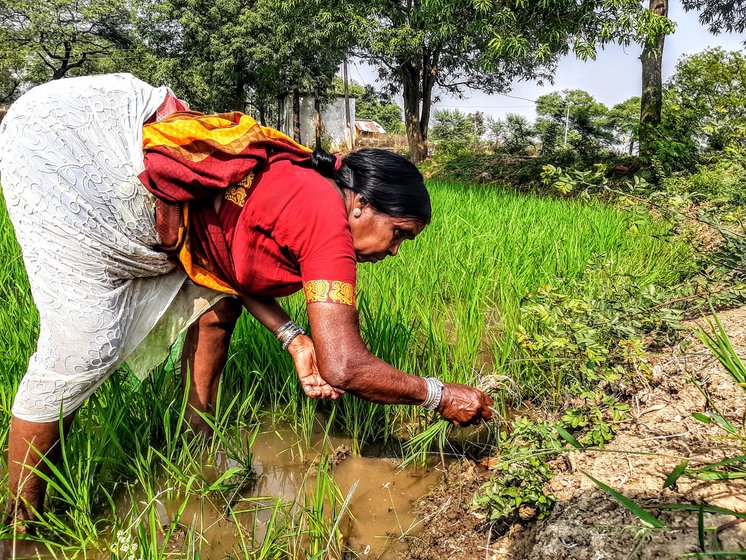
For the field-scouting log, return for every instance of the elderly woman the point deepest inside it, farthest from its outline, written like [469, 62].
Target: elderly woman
[134, 215]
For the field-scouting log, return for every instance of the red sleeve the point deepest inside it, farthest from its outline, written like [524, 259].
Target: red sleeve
[313, 226]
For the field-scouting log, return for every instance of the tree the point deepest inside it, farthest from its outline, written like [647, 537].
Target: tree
[624, 122]
[514, 133]
[720, 15]
[651, 103]
[728, 15]
[454, 130]
[385, 113]
[49, 40]
[13, 75]
[709, 87]
[418, 45]
[221, 53]
[578, 113]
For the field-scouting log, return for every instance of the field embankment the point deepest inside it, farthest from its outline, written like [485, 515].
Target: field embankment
[587, 523]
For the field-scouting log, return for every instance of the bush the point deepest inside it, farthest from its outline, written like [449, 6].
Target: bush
[721, 181]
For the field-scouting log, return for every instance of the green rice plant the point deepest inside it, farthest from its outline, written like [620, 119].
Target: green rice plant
[450, 303]
[416, 449]
[273, 541]
[147, 533]
[322, 511]
[448, 306]
[716, 339]
[718, 342]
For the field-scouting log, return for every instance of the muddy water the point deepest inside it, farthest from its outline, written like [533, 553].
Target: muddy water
[379, 508]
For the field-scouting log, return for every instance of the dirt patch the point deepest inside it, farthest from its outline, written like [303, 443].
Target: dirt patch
[586, 524]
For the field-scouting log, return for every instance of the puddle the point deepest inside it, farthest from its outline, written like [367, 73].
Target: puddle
[379, 509]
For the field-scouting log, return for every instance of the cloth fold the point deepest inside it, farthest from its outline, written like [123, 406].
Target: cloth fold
[189, 159]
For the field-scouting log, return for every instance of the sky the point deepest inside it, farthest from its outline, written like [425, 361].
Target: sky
[613, 77]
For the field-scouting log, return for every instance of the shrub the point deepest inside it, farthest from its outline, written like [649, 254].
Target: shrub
[720, 181]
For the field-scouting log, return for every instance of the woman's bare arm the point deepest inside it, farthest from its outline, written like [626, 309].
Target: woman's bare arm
[344, 361]
[270, 314]
[266, 310]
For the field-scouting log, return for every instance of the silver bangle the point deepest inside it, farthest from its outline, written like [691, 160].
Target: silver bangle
[434, 393]
[287, 333]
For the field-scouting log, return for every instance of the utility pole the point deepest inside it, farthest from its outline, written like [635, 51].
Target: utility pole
[348, 119]
[567, 123]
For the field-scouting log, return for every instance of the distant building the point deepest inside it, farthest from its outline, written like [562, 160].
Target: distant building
[367, 128]
[333, 131]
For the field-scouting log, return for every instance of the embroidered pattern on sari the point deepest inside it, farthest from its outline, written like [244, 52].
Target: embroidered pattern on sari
[238, 193]
[334, 291]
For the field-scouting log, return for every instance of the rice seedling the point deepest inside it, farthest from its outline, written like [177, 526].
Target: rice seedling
[448, 306]
[450, 303]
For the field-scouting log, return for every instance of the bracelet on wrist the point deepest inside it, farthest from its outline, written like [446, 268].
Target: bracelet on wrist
[434, 393]
[287, 333]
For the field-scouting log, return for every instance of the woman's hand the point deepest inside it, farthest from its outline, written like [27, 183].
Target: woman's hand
[304, 358]
[464, 405]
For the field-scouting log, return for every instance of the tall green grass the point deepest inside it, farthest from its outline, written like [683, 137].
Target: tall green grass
[447, 306]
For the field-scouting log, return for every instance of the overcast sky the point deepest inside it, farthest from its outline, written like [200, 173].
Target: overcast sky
[613, 77]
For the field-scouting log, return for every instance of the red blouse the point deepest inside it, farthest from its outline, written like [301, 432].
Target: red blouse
[286, 228]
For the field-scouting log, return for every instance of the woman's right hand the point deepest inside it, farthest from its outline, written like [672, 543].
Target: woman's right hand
[464, 405]
[304, 357]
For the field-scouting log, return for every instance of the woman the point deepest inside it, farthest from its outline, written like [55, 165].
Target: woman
[128, 229]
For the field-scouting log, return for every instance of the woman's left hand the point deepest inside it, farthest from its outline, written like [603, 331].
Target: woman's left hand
[304, 358]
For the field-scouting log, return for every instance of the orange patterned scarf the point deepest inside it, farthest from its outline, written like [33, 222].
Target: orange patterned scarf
[189, 158]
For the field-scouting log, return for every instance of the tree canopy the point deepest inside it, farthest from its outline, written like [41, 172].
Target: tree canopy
[220, 53]
[422, 47]
[624, 122]
[720, 15]
[513, 133]
[585, 118]
[41, 41]
[709, 87]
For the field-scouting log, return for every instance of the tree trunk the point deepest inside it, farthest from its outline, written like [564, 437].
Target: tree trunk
[412, 121]
[652, 85]
[239, 89]
[239, 97]
[262, 108]
[317, 108]
[296, 116]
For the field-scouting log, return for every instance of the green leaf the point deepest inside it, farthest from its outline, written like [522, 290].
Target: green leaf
[724, 424]
[676, 474]
[641, 514]
[567, 436]
[702, 417]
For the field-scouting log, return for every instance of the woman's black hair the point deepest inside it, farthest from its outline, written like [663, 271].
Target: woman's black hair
[391, 184]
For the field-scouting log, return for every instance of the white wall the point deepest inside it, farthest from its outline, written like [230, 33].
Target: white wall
[332, 120]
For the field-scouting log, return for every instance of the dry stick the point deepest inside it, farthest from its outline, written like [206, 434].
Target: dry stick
[729, 524]
[489, 539]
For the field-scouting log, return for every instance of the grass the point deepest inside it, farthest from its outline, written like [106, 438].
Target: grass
[447, 306]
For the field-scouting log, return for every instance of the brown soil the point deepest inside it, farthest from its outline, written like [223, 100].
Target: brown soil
[586, 523]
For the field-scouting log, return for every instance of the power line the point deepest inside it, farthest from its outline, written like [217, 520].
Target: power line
[516, 97]
[357, 69]
[439, 106]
